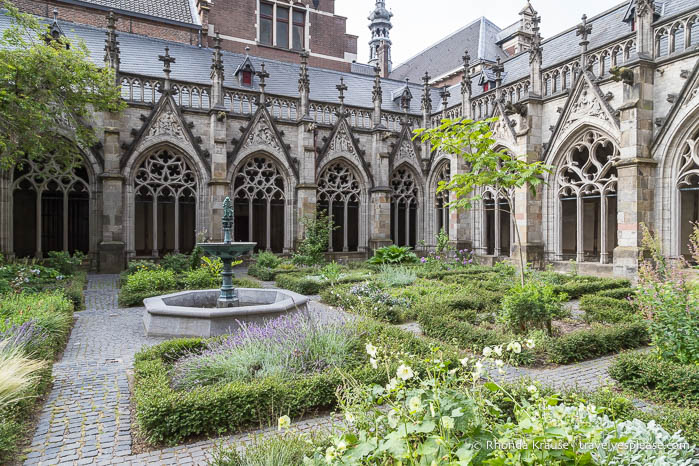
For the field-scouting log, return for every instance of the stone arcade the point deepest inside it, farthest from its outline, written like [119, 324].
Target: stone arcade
[283, 138]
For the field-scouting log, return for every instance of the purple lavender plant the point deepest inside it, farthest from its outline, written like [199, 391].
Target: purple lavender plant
[26, 336]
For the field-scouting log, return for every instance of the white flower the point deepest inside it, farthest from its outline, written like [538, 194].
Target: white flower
[404, 372]
[349, 417]
[479, 370]
[532, 389]
[464, 361]
[498, 350]
[392, 384]
[284, 422]
[373, 363]
[514, 347]
[415, 404]
[499, 363]
[341, 446]
[530, 344]
[371, 350]
[448, 422]
[487, 351]
[432, 409]
[330, 454]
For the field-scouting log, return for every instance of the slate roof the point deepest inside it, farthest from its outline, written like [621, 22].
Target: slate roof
[478, 37]
[172, 10]
[139, 55]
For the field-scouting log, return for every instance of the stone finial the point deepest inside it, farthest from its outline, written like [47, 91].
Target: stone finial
[535, 53]
[377, 92]
[426, 101]
[584, 30]
[406, 97]
[111, 47]
[304, 80]
[466, 73]
[167, 61]
[644, 7]
[262, 75]
[498, 69]
[341, 88]
[217, 67]
[445, 94]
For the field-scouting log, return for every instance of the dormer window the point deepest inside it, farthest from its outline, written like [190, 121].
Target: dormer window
[246, 78]
[486, 87]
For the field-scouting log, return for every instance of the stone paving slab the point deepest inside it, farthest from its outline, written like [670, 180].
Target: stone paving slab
[86, 418]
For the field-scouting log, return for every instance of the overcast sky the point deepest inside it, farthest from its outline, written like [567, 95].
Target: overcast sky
[417, 24]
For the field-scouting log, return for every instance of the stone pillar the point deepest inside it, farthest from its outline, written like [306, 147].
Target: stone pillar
[636, 169]
[112, 248]
[219, 187]
[307, 189]
[528, 207]
[379, 210]
[459, 219]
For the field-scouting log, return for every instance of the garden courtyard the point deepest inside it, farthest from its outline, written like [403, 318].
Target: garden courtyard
[448, 349]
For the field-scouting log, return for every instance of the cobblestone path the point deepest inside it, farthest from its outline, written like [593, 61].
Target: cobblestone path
[86, 418]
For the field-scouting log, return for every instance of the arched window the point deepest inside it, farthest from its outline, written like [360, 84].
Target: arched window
[442, 198]
[688, 186]
[339, 194]
[51, 208]
[587, 181]
[497, 222]
[405, 208]
[165, 189]
[259, 204]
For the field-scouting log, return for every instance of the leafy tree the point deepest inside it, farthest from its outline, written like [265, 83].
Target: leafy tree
[44, 81]
[474, 142]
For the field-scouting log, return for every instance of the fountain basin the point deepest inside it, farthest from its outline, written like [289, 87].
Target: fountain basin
[194, 313]
[227, 251]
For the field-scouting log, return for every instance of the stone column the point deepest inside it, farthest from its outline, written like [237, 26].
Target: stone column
[380, 205]
[307, 189]
[218, 186]
[112, 248]
[636, 169]
[459, 219]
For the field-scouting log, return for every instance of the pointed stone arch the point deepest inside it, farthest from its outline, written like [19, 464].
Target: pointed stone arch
[344, 194]
[167, 198]
[51, 206]
[436, 210]
[407, 200]
[580, 197]
[677, 152]
[406, 152]
[503, 129]
[342, 144]
[261, 188]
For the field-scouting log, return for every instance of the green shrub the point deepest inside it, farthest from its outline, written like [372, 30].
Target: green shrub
[365, 299]
[674, 419]
[64, 262]
[263, 273]
[582, 285]
[597, 341]
[178, 263]
[169, 416]
[397, 276]
[662, 380]
[532, 306]
[393, 255]
[464, 335]
[617, 293]
[195, 258]
[139, 266]
[607, 310]
[276, 450]
[311, 250]
[200, 279]
[268, 260]
[301, 282]
[245, 283]
[151, 281]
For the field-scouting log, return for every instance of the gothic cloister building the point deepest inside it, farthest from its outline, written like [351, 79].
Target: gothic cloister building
[285, 133]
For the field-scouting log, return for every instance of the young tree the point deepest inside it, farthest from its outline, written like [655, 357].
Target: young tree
[474, 142]
[48, 83]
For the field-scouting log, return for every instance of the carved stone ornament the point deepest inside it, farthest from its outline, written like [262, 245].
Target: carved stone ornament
[167, 124]
[587, 105]
[689, 173]
[338, 183]
[263, 135]
[589, 166]
[406, 151]
[404, 187]
[342, 142]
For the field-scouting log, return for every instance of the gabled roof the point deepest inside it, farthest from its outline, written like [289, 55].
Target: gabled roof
[179, 11]
[478, 37]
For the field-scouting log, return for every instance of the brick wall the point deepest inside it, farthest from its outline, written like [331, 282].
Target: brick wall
[97, 17]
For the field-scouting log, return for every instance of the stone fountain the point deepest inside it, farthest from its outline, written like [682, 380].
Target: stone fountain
[207, 313]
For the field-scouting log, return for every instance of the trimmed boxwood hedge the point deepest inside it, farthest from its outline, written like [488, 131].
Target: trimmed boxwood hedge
[607, 310]
[598, 341]
[168, 416]
[582, 285]
[300, 282]
[135, 299]
[664, 380]
[267, 274]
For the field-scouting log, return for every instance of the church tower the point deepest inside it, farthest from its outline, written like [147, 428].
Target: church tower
[380, 43]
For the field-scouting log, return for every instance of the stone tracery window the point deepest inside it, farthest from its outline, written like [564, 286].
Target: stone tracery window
[259, 204]
[165, 190]
[442, 198]
[497, 220]
[339, 193]
[688, 187]
[587, 181]
[51, 208]
[405, 207]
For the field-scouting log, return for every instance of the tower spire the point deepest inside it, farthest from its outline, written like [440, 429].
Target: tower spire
[380, 44]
